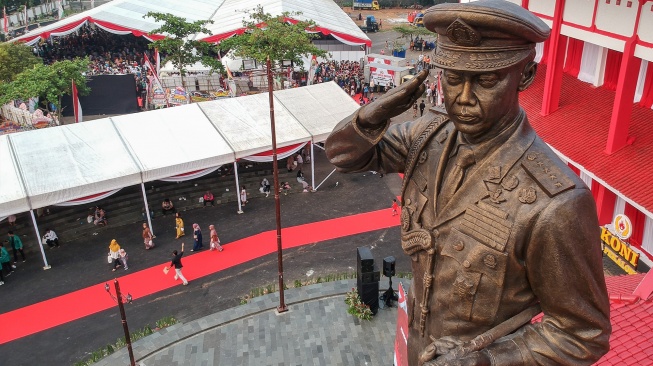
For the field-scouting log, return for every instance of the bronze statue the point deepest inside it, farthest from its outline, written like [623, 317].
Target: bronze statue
[496, 225]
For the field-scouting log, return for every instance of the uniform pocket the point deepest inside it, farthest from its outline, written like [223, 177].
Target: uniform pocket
[475, 278]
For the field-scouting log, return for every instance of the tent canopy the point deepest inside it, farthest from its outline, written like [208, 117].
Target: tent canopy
[126, 16]
[58, 164]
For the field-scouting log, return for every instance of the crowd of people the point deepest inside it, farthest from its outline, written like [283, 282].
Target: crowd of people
[347, 74]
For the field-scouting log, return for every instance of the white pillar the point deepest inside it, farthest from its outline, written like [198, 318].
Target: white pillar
[38, 238]
[312, 167]
[240, 208]
[147, 209]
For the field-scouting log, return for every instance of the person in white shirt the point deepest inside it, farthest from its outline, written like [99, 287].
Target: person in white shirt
[51, 239]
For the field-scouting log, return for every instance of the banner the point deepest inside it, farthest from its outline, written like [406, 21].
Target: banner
[381, 76]
[77, 107]
[177, 96]
[401, 337]
[5, 21]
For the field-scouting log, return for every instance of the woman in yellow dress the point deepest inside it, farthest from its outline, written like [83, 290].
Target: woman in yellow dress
[180, 225]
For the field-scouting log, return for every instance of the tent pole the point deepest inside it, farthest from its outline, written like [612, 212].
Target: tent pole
[312, 167]
[38, 238]
[147, 209]
[240, 208]
[327, 177]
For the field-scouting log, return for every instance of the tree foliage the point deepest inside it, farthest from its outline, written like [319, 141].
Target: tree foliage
[48, 82]
[178, 46]
[407, 30]
[274, 36]
[14, 58]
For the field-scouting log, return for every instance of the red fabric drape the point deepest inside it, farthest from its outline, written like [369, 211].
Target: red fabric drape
[647, 93]
[595, 189]
[574, 56]
[638, 220]
[572, 167]
[612, 65]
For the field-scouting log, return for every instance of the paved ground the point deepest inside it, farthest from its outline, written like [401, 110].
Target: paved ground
[315, 331]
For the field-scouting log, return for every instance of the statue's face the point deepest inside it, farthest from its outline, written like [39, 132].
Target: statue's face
[481, 103]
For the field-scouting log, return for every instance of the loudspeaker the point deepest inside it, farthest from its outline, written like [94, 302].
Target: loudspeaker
[365, 260]
[369, 277]
[389, 266]
[369, 293]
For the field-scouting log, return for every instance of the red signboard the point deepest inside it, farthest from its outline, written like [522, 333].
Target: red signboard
[401, 338]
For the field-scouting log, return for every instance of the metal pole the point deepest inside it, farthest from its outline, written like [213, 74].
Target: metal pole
[277, 203]
[147, 209]
[123, 318]
[240, 207]
[324, 180]
[38, 238]
[312, 167]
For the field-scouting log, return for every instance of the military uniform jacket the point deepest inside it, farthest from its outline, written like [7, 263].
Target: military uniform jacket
[509, 238]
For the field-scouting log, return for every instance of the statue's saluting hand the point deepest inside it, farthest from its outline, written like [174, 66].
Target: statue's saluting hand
[393, 103]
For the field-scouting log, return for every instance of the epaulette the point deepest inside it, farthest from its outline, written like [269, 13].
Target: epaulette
[547, 175]
[418, 145]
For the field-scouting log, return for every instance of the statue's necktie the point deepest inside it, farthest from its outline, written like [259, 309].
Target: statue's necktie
[463, 160]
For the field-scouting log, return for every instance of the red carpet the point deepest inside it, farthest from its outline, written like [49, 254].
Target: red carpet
[75, 305]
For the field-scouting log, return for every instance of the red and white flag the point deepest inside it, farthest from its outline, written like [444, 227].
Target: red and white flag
[157, 60]
[5, 21]
[77, 108]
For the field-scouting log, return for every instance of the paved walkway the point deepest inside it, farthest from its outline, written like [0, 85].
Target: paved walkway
[317, 330]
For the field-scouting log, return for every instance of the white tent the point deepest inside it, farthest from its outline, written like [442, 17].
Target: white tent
[59, 164]
[127, 16]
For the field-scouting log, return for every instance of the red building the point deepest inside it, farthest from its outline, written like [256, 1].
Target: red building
[592, 104]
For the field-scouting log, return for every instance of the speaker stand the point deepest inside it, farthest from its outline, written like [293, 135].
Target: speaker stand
[389, 295]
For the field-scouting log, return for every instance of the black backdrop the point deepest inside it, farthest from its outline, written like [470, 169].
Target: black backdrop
[110, 94]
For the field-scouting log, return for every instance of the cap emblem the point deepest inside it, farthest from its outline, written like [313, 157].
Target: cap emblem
[462, 34]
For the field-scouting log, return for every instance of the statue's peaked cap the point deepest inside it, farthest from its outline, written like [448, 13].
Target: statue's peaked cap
[483, 35]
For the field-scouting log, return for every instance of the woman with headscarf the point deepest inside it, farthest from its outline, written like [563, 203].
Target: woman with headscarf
[179, 222]
[215, 241]
[147, 237]
[114, 254]
[197, 236]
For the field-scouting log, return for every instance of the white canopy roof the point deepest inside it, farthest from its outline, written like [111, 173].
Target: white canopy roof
[59, 164]
[126, 16]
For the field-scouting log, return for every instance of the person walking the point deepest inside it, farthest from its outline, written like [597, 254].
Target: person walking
[50, 238]
[415, 109]
[123, 258]
[197, 237]
[395, 206]
[215, 241]
[114, 254]
[176, 262]
[16, 246]
[179, 222]
[421, 108]
[147, 237]
[243, 196]
[5, 261]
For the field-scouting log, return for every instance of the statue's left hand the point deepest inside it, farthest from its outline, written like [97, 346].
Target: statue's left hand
[479, 358]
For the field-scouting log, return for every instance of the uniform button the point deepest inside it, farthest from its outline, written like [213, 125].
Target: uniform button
[466, 264]
[459, 245]
[408, 201]
[436, 233]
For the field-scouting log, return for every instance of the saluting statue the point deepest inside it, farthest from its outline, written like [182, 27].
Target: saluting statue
[496, 225]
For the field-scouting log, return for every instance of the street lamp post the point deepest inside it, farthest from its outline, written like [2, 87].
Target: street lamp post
[277, 203]
[123, 317]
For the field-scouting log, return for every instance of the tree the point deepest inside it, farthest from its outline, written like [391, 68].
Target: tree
[48, 82]
[14, 58]
[407, 30]
[274, 38]
[178, 46]
[278, 37]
